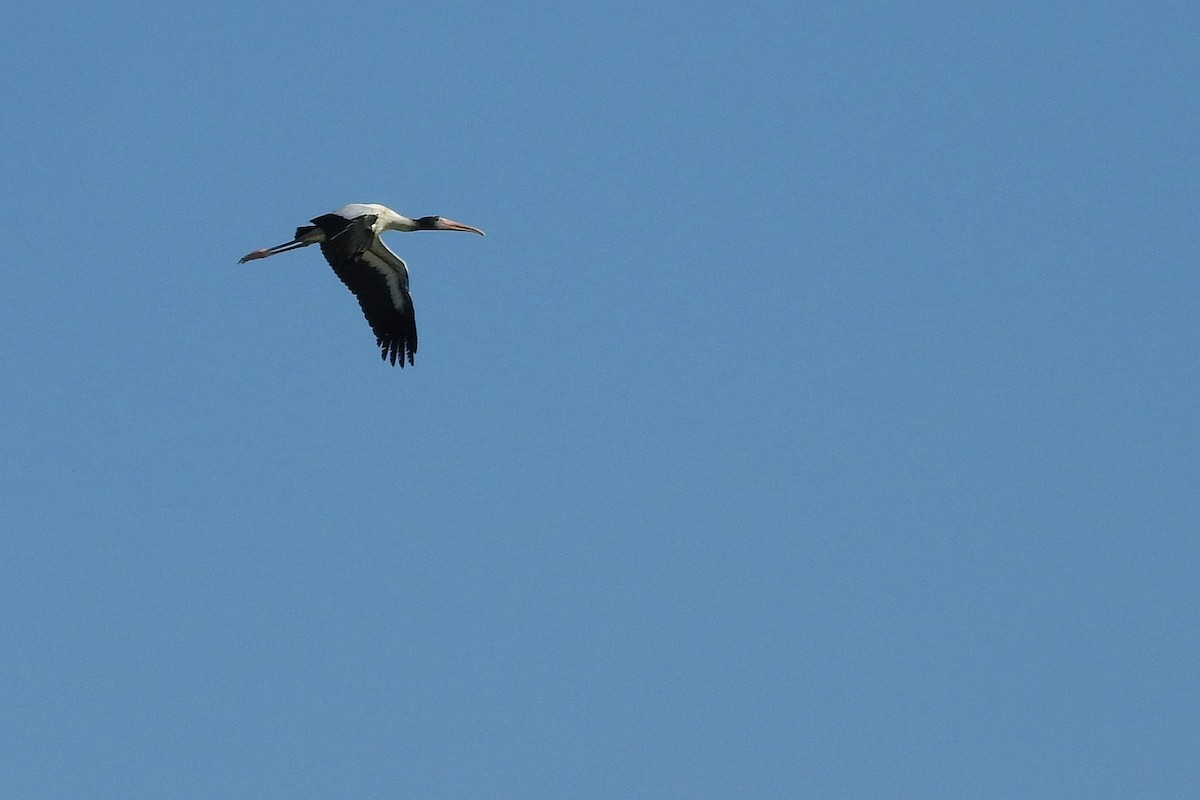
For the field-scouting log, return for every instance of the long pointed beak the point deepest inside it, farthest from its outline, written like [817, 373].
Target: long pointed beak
[270, 251]
[444, 224]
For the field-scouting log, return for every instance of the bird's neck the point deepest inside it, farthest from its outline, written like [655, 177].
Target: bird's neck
[399, 222]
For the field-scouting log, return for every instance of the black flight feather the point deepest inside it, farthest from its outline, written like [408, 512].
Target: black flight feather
[378, 279]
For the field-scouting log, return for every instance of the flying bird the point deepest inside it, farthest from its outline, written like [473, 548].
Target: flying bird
[349, 239]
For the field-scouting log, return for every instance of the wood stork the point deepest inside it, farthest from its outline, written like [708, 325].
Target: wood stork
[349, 239]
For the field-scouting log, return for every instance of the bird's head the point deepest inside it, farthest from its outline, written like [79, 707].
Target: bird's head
[443, 224]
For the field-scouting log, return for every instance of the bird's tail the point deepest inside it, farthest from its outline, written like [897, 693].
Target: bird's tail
[309, 234]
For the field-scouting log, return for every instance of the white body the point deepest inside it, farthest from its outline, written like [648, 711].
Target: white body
[387, 220]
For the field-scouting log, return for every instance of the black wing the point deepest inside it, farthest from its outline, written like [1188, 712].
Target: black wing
[377, 277]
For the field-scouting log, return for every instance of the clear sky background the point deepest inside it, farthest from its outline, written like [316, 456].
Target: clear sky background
[817, 419]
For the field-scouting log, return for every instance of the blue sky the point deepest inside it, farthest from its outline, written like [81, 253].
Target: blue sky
[817, 419]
